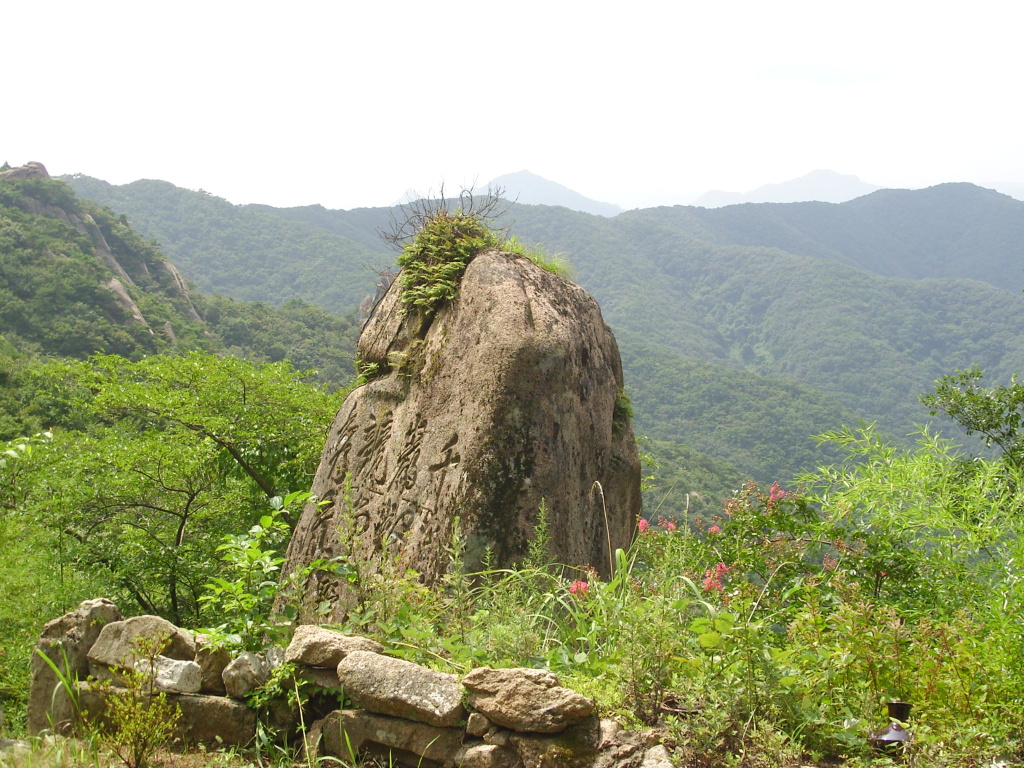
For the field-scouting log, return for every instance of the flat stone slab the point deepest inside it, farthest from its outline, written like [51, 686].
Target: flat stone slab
[209, 720]
[314, 646]
[400, 741]
[400, 688]
[525, 700]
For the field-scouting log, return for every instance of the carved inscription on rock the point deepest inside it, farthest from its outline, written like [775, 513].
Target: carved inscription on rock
[394, 492]
[511, 405]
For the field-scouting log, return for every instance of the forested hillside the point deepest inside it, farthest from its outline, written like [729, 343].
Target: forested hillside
[76, 279]
[744, 330]
[951, 230]
[121, 473]
[249, 252]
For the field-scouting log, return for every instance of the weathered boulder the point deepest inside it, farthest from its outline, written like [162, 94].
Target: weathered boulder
[172, 675]
[247, 672]
[314, 646]
[118, 644]
[212, 662]
[525, 700]
[575, 747]
[508, 397]
[66, 642]
[395, 740]
[29, 170]
[400, 688]
[210, 720]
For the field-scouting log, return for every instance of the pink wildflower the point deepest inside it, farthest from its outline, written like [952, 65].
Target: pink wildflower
[714, 529]
[644, 526]
[670, 526]
[776, 493]
[579, 588]
[712, 581]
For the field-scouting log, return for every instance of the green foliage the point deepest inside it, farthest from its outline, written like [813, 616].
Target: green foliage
[265, 420]
[556, 265]
[777, 629]
[244, 599]
[683, 483]
[434, 260]
[137, 719]
[996, 413]
[250, 252]
[133, 501]
[56, 268]
[301, 333]
[623, 412]
[735, 425]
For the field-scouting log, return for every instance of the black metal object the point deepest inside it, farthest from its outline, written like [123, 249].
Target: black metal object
[893, 739]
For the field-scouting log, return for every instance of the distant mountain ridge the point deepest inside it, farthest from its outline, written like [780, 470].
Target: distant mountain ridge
[956, 230]
[822, 186]
[530, 189]
[731, 321]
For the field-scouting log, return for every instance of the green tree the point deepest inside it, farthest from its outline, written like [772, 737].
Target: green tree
[264, 419]
[996, 413]
[180, 452]
[143, 510]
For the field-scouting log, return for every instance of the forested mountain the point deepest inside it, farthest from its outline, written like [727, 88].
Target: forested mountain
[871, 342]
[744, 330]
[77, 279]
[169, 482]
[530, 189]
[251, 252]
[951, 230]
[824, 185]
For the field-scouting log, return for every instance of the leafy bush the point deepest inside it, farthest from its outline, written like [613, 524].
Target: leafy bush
[777, 629]
[245, 599]
[137, 719]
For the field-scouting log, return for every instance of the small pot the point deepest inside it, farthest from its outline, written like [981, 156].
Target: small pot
[893, 739]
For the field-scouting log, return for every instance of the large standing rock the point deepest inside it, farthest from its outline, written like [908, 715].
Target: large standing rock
[504, 400]
[66, 642]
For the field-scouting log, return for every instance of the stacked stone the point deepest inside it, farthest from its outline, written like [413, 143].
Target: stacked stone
[491, 718]
[403, 712]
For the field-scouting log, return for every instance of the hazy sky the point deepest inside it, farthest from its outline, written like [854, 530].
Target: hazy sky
[350, 104]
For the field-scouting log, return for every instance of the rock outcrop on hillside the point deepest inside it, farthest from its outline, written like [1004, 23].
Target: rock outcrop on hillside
[507, 400]
[120, 282]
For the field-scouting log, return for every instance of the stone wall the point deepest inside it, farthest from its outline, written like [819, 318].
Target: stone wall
[412, 715]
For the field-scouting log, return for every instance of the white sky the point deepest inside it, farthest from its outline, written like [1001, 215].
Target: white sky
[350, 103]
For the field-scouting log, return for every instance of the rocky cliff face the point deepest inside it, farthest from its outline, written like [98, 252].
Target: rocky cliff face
[121, 281]
[504, 401]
